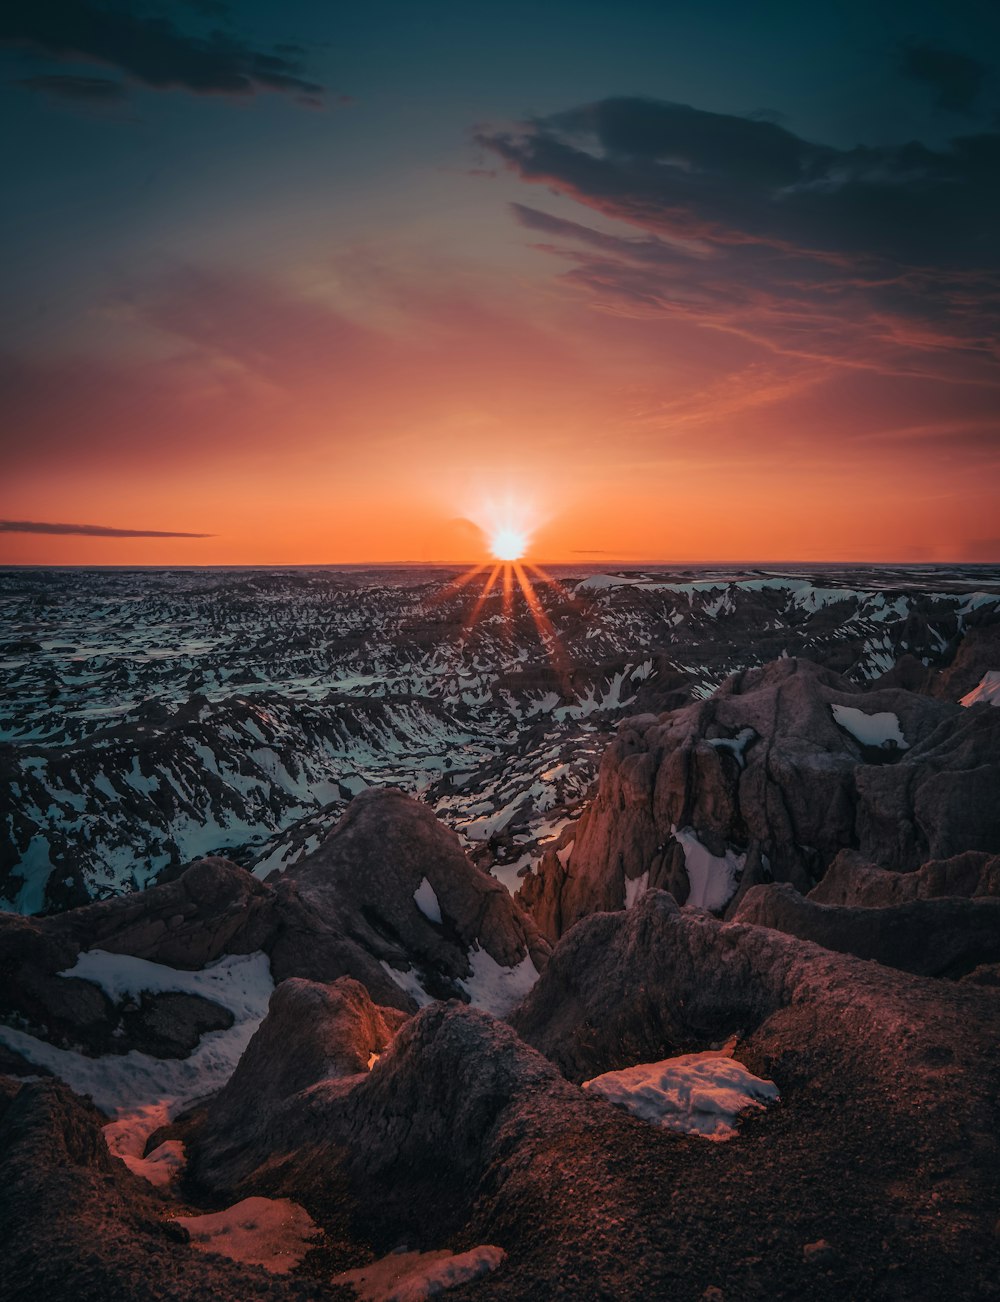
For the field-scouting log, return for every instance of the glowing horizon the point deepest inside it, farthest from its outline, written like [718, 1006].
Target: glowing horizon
[599, 288]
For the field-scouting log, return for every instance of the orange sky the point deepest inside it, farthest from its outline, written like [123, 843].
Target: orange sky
[741, 370]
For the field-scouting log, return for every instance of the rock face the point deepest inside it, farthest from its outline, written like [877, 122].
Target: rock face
[934, 937]
[312, 1034]
[779, 770]
[405, 895]
[351, 909]
[850, 879]
[462, 1132]
[75, 1224]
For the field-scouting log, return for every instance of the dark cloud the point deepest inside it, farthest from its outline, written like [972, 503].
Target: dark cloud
[882, 259]
[682, 171]
[152, 50]
[92, 530]
[96, 91]
[956, 78]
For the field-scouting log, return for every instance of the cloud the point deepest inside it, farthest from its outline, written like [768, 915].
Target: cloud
[96, 91]
[736, 182]
[92, 530]
[153, 51]
[879, 259]
[956, 78]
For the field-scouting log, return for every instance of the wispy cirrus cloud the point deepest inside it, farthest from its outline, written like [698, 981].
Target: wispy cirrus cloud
[92, 530]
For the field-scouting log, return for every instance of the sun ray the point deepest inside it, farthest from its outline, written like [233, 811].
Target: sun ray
[508, 590]
[546, 630]
[456, 585]
[545, 577]
[487, 589]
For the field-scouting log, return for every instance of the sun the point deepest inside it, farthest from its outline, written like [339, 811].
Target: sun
[508, 544]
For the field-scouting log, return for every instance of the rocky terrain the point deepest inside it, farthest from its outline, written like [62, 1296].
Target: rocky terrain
[273, 1023]
[153, 717]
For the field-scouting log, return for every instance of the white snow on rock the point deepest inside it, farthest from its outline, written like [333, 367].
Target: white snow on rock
[696, 1093]
[409, 982]
[735, 745]
[494, 988]
[426, 901]
[870, 729]
[635, 888]
[712, 878]
[986, 691]
[240, 985]
[416, 1276]
[271, 1232]
[141, 1092]
[126, 1138]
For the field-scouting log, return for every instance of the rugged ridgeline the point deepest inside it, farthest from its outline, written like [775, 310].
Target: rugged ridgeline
[149, 719]
[350, 1130]
[769, 779]
[369, 1066]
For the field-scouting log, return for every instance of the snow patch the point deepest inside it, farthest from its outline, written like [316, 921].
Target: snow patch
[696, 1093]
[986, 692]
[494, 988]
[635, 888]
[426, 900]
[409, 982]
[871, 729]
[271, 1232]
[712, 878]
[124, 1085]
[735, 745]
[416, 1276]
[126, 1139]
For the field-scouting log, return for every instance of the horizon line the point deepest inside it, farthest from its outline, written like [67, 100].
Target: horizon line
[612, 563]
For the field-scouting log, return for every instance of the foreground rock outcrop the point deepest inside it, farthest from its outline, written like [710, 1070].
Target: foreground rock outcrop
[461, 1133]
[769, 779]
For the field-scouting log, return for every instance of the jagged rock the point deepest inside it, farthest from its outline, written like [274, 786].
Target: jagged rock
[933, 937]
[312, 1033]
[767, 767]
[851, 880]
[350, 909]
[977, 654]
[74, 1011]
[462, 1134]
[367, 874]
[213, 908]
